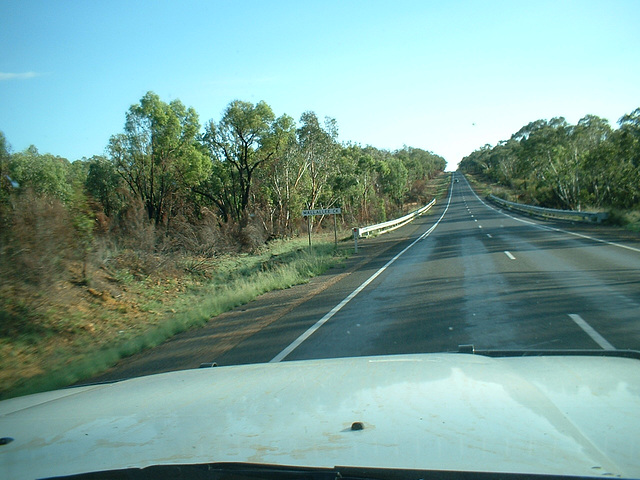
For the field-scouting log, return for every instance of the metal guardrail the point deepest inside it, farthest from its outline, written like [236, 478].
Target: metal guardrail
[597, 217]
[393, 224]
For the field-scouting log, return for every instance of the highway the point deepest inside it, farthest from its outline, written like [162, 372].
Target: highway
[467, 274]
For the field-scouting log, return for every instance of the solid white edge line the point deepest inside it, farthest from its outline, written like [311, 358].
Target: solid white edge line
[589, 330]
[508, 254]
[298, 341]
[553, 229]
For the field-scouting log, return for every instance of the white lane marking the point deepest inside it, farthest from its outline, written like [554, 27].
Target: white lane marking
[298, 341]
[553, 229]
[508, 254]
[489, 235]
[589, 330]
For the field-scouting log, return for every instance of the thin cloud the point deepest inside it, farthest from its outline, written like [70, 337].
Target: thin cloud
[18, 76]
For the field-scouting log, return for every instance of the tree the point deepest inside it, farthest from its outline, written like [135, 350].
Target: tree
[6, 183]
[626, 173]
[282, 180]
[571, 166]
[247, 137]
[158, 155]
[44, 174]
[103, 183]
[393, 179]
[319, 148]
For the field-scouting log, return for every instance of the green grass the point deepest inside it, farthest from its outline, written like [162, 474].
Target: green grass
[233, 282]
[629, 219]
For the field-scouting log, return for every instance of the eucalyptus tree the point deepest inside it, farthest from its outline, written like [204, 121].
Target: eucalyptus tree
[159, 156]
[574, 166]
[45, 174]
[104, 184]
[591, 167]
[626, 143]
[247, 137]
[283, 181]
[393, 179]
[318, 147]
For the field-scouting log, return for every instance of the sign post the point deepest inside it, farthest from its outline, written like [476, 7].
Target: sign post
[322, 211]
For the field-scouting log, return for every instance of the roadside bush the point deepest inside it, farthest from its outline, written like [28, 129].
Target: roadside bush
[133, 229]
[39, 238]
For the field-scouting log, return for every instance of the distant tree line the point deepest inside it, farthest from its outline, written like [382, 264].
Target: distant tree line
[249, 170]
[577, 167]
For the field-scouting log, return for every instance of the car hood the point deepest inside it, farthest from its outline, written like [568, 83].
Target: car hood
[572, 415]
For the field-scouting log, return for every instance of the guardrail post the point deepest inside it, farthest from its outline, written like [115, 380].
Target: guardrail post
[355, 238]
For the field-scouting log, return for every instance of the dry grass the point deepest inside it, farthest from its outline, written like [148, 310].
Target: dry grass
[69, 331]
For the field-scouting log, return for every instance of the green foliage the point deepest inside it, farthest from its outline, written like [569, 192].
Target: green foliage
[44, 174]
[247, 137]
[159, 156]
[420, 164]
[393, 177]
[104, 184]
[6, 183]
[555, 164]
[251, 170]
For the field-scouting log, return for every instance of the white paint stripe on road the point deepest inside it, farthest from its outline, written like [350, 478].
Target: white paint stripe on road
[589, 330]
[298, 341]
[508, 254]
[553, 229]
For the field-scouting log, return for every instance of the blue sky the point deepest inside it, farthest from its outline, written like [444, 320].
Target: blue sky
[448, 77]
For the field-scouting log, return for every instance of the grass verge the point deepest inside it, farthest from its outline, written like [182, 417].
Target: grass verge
[107, 329]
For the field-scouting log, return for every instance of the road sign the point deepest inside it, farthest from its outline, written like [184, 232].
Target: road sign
[321, 211]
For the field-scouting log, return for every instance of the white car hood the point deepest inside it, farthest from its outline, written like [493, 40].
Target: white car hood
[567, 415]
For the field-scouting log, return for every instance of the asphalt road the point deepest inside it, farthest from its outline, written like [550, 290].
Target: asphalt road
[468, 274]
[465, 273]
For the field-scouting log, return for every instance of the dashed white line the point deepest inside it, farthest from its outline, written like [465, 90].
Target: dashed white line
[508, 254]
[589, 330]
